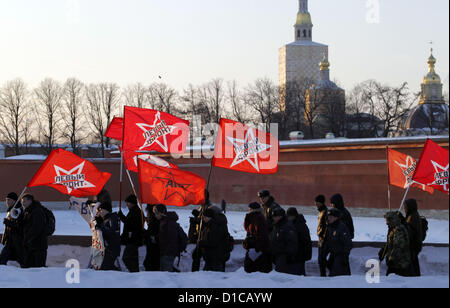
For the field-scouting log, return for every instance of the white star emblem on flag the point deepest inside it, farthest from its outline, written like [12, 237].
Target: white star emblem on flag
[248, 149]
[147, 128]
[79, 171]
[441, 181]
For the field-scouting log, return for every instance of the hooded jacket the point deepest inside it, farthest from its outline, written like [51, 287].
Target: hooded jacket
[415, 230]
[397, 250]
[346, 217]
[213, 239]
[168, 235]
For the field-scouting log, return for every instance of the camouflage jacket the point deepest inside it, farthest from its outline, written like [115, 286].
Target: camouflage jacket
[398, 253]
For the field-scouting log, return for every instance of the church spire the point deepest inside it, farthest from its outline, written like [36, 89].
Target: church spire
[303, 25]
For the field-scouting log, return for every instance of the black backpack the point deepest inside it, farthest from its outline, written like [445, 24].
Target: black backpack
[182, 239]
[424, 223]
[50, 221]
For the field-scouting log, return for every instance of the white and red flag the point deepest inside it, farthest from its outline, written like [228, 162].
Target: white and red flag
[432, 168]
[243, 148]
[152, 130]
[70, 175]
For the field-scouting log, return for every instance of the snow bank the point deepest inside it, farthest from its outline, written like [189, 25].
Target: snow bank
[366, 229]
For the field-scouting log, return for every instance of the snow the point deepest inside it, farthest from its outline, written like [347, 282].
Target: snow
[434, 263]
[367, 229]
[27, 157]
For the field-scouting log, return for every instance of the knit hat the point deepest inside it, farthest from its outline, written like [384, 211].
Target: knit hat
[210, 213]
[279, 212]
[292, 212]
[264, 193]
[320, 199]
[106, 206]
[334, 212]
[12, 196]
[131, 199]
[161, 208]
[254, 206]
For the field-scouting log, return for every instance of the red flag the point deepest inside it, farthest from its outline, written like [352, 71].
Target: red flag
[70, 175]
[115, 129]
[242, 148]
[152, 130]
[401, 170]
[159, 185]
[131, 161]
[432, 168]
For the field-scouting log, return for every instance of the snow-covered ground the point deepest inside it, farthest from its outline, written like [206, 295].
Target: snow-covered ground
[434, 263]
[366, 229]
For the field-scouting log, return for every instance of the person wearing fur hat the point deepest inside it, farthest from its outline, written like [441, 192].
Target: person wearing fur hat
[283, 243]
[213, 242]
[256, 243]
[13, 235]
[338, 243]
[132, 236]
[109, 224]
[269, 205]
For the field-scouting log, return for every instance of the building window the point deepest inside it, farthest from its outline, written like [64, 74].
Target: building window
[298, 33]
[304, 33]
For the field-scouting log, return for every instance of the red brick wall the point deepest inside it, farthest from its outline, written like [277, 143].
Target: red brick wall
[304, 173]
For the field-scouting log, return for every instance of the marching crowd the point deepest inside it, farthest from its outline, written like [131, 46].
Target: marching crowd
[276, 239]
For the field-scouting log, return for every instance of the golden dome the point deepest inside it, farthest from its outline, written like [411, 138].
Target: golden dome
[324, 64]
[303, 19]
[432, 77]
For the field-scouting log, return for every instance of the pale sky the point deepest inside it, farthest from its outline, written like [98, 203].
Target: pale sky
[193, 41]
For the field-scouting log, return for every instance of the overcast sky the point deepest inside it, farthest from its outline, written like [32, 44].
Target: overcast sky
[192, 41]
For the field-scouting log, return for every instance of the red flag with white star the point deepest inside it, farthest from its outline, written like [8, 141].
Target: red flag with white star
[70, 175]
[174, 187]
[242, 148]
[401, 170]
[131, 161]
[151, 130]
[432, 168]
[115, 129]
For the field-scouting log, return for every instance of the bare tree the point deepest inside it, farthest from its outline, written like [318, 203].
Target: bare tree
[296, 94]
[47, 108]
[13, 112]
[214, 102]
[72, 108]
[136, 95]
[262, 97]
[239, 110]
[163, 97]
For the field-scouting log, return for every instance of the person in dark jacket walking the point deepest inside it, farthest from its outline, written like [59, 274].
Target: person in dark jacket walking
[338, 244]
[257, 258]
[34, 238]
[415, 232]
[304, 239]
[284, 243]
[12, 239]
[152, 258]
[168, 237]
[213, 240]
[194, 225]
[322, 233]
[337, 202]
[132, 236]
[269, 205]
[397, 251]
[109, 224]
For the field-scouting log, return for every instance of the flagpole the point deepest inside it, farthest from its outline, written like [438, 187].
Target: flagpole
[389, 177]
[137, 197]
[121, 179]
[404, 198]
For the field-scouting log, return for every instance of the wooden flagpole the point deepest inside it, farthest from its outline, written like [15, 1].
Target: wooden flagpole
[389, 178]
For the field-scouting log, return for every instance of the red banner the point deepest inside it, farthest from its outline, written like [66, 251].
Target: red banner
[115, 129]
[167, 186]
[401, 170]
[432, 168]
[131, 161]
[151, 130]
[242, 148]
[70, 175]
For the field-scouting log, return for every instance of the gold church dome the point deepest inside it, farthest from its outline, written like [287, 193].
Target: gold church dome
[303, 19]
[432, 77]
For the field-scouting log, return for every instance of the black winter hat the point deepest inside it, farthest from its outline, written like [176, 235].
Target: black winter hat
[105, 206]
[161, 208]
[279, 212]
[12, 196]
[334, 212]
[264, 193]
[254, 206]
[209, 213]
[320, 199]
[195, 213]
[292, 212]
[131, 199]
[338, 201]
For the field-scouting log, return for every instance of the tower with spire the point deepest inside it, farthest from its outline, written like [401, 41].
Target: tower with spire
[299, 60]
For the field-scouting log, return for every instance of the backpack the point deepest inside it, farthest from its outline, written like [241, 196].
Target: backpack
[50, 221]
[424, 223]
[182, 239]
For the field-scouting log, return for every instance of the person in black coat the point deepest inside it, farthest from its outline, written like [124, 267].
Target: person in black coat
[152, 258]
[167, 237]
[132, 236]
[12, 239]
[338, 244]
[213, 240]
[304, 239]
[337, 202]
[322, 233]
[256, 243]
[269, 205]
[284, 243]
[413, 222]
[34, 238]
[109, 223]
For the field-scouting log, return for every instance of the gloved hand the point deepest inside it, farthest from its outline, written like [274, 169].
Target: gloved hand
[99, 220]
